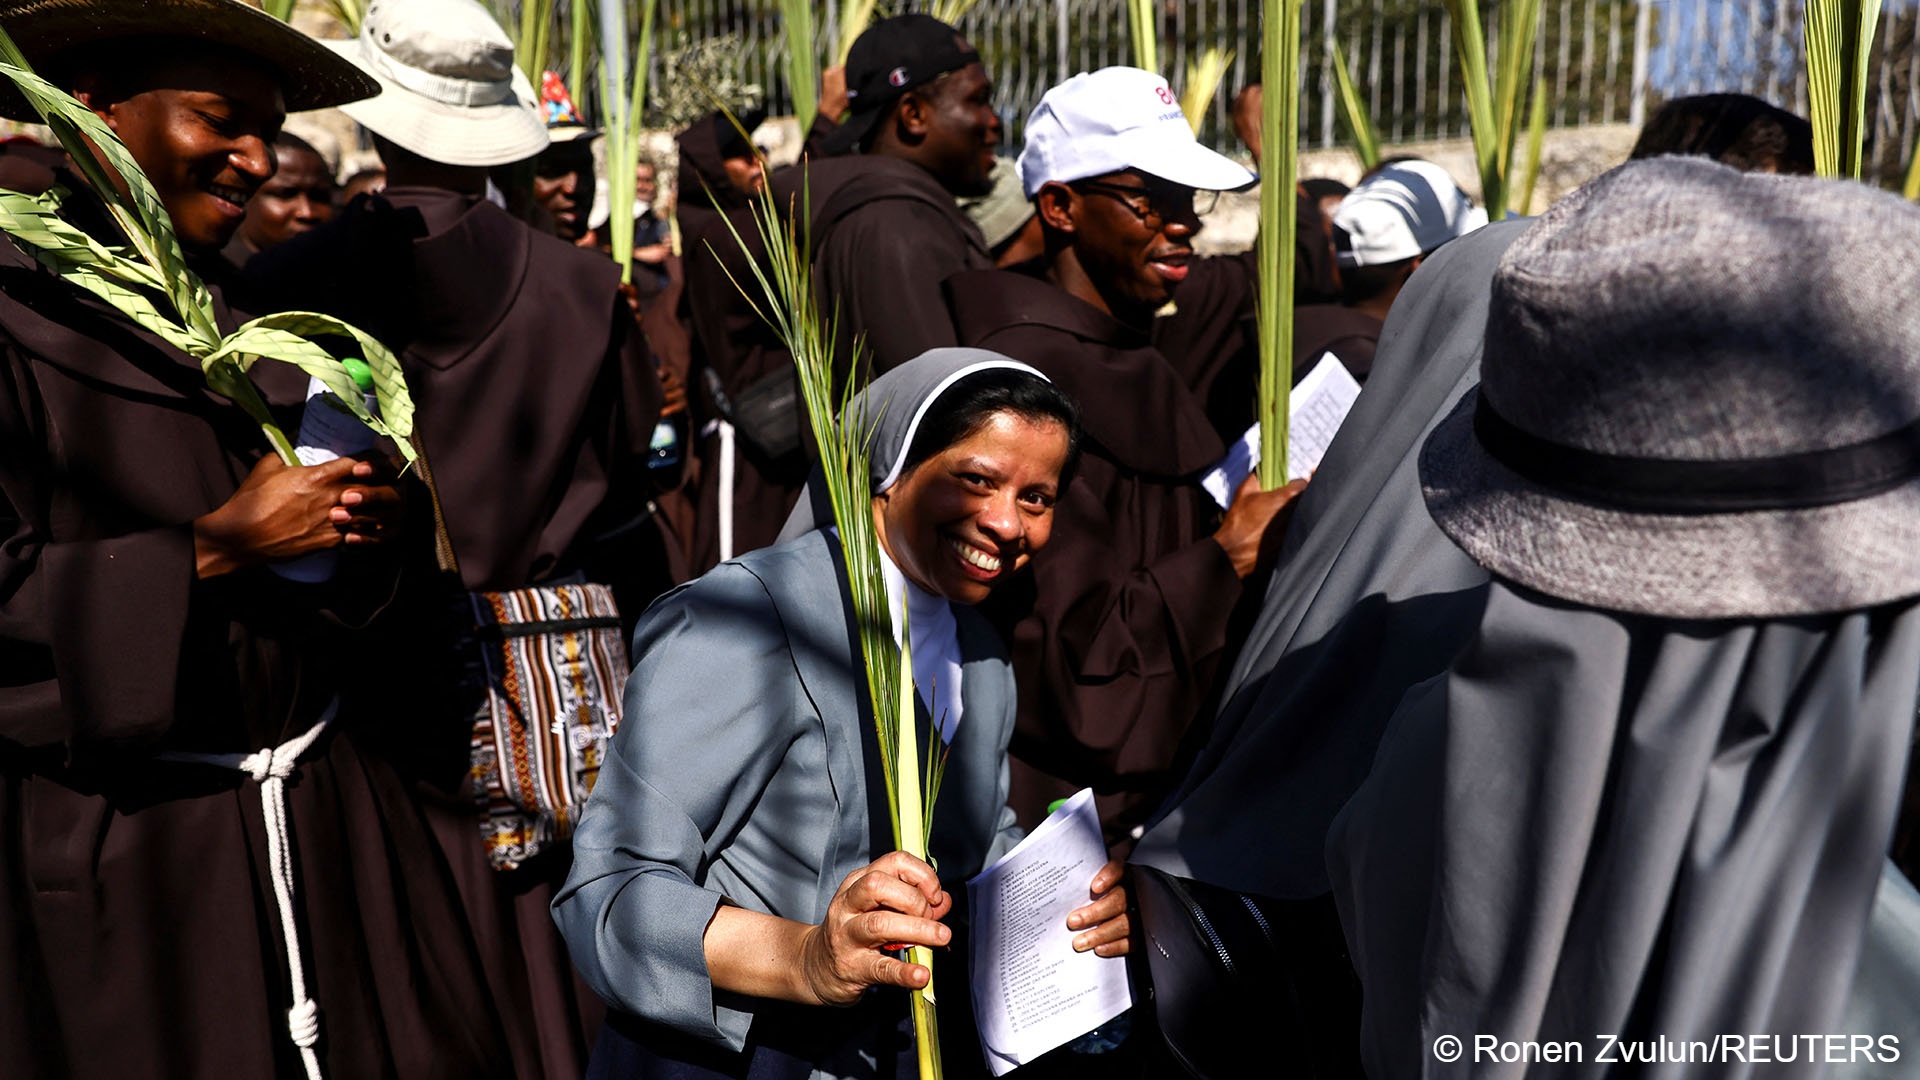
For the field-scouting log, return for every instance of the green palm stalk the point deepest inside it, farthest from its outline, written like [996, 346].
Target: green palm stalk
[1366, 138]
[531, 33]
[1493, 106]
[1839, 45]
[350, 13]
[1536, 144]
[782, 293]
[1203, 82]
[855, 15]
[1279, 150]
[128, 277]
[579, 37]
[1911, 188]
[623, 90]
[279, 9]
[803, 59]
[952, 11]
[1144, 22]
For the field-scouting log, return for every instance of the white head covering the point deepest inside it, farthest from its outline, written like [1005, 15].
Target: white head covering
[893, 406]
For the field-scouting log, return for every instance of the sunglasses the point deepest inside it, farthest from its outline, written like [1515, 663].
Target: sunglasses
[1154, 206]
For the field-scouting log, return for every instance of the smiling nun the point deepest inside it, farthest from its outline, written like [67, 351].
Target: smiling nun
[738, 831]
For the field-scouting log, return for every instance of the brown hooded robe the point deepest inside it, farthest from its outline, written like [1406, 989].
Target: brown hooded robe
[535, 402]
[1117, 630]
[139, 935]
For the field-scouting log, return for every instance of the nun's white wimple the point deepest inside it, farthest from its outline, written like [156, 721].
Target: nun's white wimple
[893, 473]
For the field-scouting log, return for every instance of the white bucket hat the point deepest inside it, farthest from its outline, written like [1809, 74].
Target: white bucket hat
[1119, 118]
[449, 89]
[1406, 209]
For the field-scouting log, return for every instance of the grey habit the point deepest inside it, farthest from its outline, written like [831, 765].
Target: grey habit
[1369, 599]
[745, 769]
[1654, 842]
[1604, 825]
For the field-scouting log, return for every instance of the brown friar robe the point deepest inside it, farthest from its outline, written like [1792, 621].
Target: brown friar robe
[885, 235]
[737, 357]
[535, 401]
[1208, 335]
[139, 935]
[1118, 629]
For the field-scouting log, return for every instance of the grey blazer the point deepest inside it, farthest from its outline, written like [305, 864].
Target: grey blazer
[742, 768]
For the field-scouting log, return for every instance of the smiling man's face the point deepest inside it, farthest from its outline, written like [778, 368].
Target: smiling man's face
[202, 128]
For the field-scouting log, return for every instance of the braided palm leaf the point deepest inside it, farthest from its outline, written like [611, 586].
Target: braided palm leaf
[130, 278]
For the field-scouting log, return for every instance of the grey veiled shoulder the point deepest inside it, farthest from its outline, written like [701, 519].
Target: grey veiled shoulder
[1611, 824]
[1369, 599]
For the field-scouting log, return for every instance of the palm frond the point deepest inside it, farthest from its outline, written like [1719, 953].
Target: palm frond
[623, 89]
[803, 59]
[1366, 138]
[1911, 187]
[1839, 46]
[1203, 82]
[782, 291]
[1143, 21]
[1536, 144]
[855, 15]
[1279, 152]
[579, 43]
[1494, 95]
[351, 14]
[127, 278]
[952, 11]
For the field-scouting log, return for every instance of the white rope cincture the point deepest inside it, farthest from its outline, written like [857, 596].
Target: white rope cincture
[270, 768]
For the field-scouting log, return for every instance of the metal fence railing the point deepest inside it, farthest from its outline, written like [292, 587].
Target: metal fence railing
[1600, 61]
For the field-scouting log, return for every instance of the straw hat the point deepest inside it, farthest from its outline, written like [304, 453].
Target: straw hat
[449, 90]
[1700, 398]
[311, 76]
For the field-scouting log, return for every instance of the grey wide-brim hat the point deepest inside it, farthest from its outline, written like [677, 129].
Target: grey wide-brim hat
[449, 89]
[49, 32]
[1700, 398]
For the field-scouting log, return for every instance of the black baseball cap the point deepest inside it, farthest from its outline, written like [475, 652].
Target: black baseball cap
[892, 57]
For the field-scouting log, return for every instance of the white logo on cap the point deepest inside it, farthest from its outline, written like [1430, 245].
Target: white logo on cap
[897, 78]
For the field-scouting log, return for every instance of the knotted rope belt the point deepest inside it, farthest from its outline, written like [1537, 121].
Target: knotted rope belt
[270, 768]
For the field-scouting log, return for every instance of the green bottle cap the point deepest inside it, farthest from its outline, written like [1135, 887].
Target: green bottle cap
[362, 374]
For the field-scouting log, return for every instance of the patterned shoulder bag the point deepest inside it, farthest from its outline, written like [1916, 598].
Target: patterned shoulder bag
[554, 666]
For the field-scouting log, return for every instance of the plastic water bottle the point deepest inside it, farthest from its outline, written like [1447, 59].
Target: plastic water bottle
[329, 431]
[664, 448]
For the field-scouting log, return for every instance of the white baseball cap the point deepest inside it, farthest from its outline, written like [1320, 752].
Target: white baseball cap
[449, 90]
[1119, 118]
[1406, 209]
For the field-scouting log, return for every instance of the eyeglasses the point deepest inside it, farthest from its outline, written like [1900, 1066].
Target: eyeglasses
[1154, 206]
